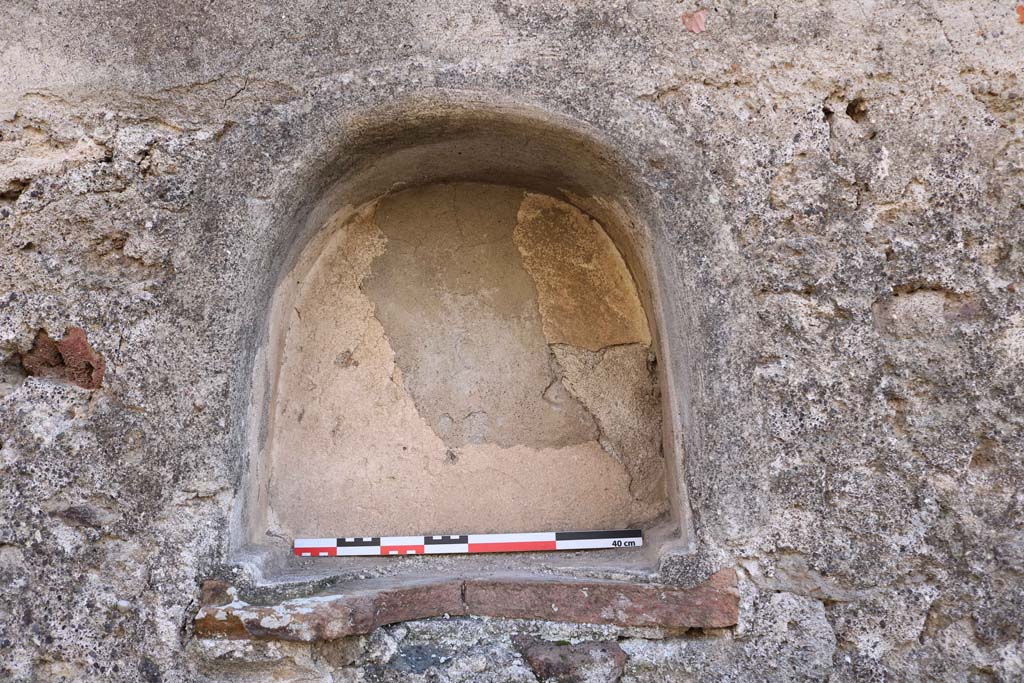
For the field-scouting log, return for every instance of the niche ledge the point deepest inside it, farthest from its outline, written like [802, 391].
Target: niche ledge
[365, 605]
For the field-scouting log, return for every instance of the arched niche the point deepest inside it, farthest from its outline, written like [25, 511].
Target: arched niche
[544, 197]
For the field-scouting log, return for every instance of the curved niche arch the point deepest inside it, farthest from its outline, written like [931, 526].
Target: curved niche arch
[465, 338]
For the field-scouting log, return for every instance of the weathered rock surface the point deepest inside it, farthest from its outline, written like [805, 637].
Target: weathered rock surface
[840, 201]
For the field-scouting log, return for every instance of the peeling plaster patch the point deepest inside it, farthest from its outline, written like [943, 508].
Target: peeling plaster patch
[587, 295]
[620, 390]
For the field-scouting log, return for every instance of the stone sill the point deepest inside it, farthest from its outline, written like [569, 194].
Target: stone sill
[370, 604]
[276, 566]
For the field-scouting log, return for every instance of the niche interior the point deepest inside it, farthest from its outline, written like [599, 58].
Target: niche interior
[465, 337]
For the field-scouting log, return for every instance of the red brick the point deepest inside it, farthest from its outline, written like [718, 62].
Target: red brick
[712, 604]
[70, 360]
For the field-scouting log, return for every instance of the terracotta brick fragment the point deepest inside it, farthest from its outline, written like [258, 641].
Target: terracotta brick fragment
[419, 602]
[330, 617]
[220, 622]
[70, 360]
[712, 604]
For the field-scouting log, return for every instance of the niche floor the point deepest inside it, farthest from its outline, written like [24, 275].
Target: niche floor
[463, 358]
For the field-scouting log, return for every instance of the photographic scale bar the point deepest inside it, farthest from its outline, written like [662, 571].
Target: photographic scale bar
[468, 543]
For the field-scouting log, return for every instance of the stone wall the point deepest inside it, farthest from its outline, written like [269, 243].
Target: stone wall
[839, 195]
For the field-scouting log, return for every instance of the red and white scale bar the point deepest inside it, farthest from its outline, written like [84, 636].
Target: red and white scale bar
[468, 543]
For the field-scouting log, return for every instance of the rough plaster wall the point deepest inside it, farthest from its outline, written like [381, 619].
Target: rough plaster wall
[417, 393]
[862, 444]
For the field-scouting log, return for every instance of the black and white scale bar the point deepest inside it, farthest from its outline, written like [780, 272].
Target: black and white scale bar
[468, 543]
